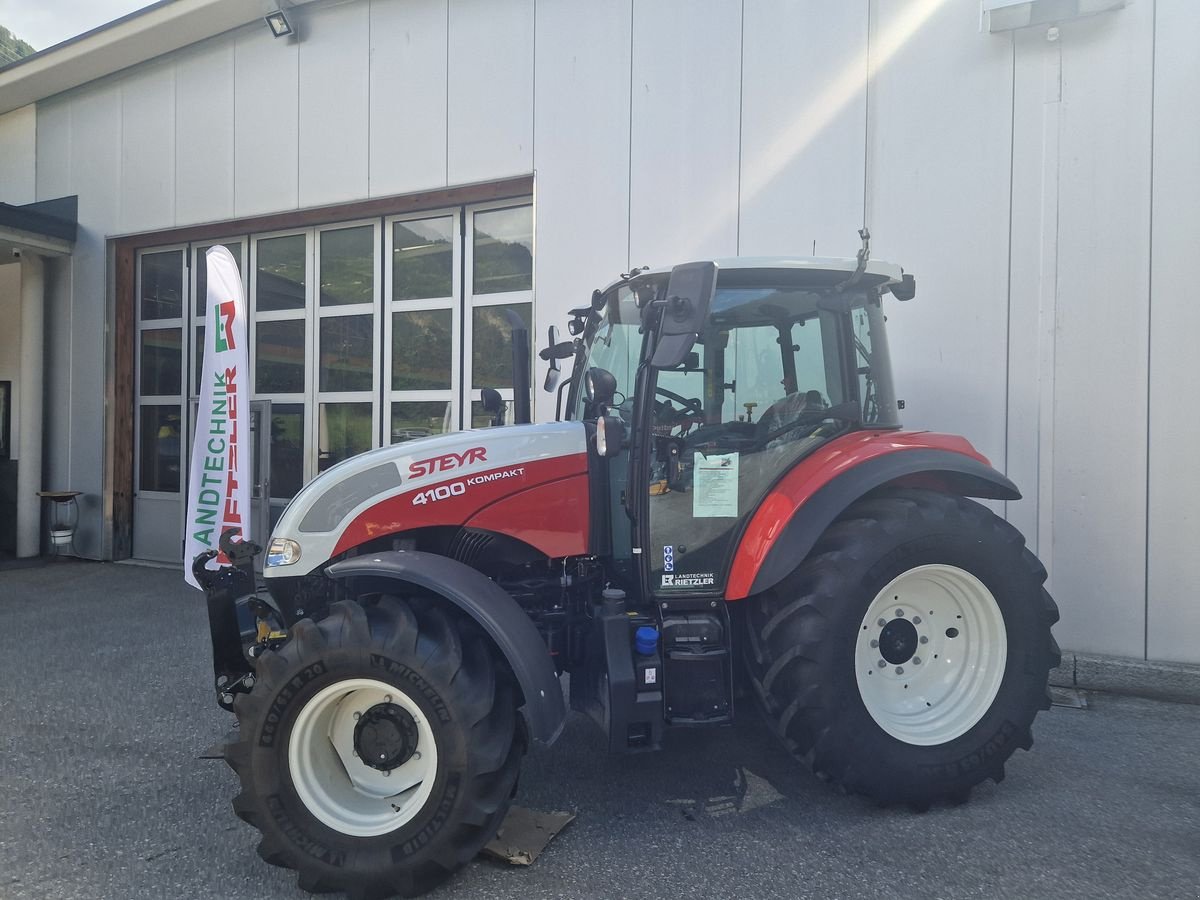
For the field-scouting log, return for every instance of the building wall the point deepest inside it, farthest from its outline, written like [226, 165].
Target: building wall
[1041, 190]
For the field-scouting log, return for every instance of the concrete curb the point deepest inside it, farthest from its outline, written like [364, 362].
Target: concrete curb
[1178, 682]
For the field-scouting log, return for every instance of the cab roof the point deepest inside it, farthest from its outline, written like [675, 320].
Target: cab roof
[756, 268]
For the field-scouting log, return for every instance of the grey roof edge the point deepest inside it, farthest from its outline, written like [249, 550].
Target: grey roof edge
[58, 218]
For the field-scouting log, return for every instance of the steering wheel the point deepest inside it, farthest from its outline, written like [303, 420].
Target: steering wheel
[692, 407]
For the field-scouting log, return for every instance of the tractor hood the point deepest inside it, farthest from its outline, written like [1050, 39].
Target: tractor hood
[483, 479]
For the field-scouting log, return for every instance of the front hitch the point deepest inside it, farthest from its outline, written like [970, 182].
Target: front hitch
[223, 588]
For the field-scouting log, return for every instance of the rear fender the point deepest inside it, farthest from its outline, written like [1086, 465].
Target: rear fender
[769, 551]
[484, 601]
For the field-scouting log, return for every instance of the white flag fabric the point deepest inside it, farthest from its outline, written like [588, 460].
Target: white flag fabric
[219, 481]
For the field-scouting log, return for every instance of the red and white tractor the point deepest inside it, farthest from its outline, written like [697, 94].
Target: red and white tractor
[727, 514]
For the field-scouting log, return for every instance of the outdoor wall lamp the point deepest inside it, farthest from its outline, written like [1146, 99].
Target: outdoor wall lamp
[280, 26]
[1008, 15]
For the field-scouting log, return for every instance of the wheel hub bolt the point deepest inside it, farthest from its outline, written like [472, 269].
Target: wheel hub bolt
[881, 622]
[874, 644]
[899, 670]
[899, 614]
[357, 716]
[883, 664]
[924, 640]
[916, 660]
[916, 620]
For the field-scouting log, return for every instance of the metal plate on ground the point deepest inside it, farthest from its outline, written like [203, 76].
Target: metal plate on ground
[524, 834]
[1068, 697]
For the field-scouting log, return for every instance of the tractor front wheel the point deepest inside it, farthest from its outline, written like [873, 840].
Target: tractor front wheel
[378, 750]
[906, 657]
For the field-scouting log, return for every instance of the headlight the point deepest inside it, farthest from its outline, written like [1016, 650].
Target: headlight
[282, 552]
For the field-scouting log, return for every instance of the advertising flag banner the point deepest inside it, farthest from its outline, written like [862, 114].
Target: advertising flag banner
[219, 480]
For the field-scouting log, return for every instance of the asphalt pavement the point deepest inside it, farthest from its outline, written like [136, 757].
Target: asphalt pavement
[105, 708]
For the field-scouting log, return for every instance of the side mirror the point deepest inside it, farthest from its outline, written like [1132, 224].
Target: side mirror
[689, 298]
[610, 435]
[494, 404]
[555, 350]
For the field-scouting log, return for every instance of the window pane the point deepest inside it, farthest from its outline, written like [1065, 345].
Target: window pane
[348, 266]
[287, 449]
[202, 273]
[198, 352]
[346, 353]
[279, 357]
[162, 285]
[481, 419]
[345, 430]
[422, 350]
[418, 419]
[503, 250]
[491, 344]
[423, 259]
[159, 442]
[280, 273]
[162, 362]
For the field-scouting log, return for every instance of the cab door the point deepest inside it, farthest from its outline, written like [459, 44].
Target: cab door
[746, 418]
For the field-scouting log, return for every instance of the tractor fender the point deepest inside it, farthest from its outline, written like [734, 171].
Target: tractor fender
[484, 601]
[763, 560]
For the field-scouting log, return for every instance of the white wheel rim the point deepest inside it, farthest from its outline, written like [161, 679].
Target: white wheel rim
[335, 785]
[959, 645]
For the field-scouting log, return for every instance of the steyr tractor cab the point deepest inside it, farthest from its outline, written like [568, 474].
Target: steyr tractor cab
[726, 515]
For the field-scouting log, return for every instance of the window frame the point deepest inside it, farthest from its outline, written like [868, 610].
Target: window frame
[453, 394]
[471, 301]
[140, 326]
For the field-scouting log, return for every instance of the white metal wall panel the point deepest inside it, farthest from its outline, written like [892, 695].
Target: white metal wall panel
[334, 87]
[1174, 534]
[18, 161]
[266, 123]
[1100, 353]
[684, 149]
[803, 114]
[204, 102]
[490, 125]
[147, 141]
[75, 316]
[53, 149]
[938, 183]
[1033, 284]
[408, 96]
[581, 136]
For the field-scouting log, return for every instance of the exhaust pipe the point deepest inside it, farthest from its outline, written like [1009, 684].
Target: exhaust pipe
[520, 359]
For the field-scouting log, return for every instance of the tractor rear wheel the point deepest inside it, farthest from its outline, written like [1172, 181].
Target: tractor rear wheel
[906, 657]
[379, 749]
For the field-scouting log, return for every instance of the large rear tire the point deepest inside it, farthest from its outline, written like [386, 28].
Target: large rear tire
[906, 658]
[379, 749]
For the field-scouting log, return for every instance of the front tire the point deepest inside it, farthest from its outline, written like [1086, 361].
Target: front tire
[379, 749]
[906, 658]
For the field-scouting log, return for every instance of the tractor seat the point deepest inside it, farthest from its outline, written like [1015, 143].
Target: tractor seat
[785, 411]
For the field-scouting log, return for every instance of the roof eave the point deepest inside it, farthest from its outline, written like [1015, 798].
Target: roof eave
[148, 33]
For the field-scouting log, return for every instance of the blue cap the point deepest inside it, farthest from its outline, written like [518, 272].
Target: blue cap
[646, 640]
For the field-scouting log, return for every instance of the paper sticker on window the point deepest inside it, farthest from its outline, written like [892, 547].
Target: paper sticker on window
[668, 558]
[715, 485]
